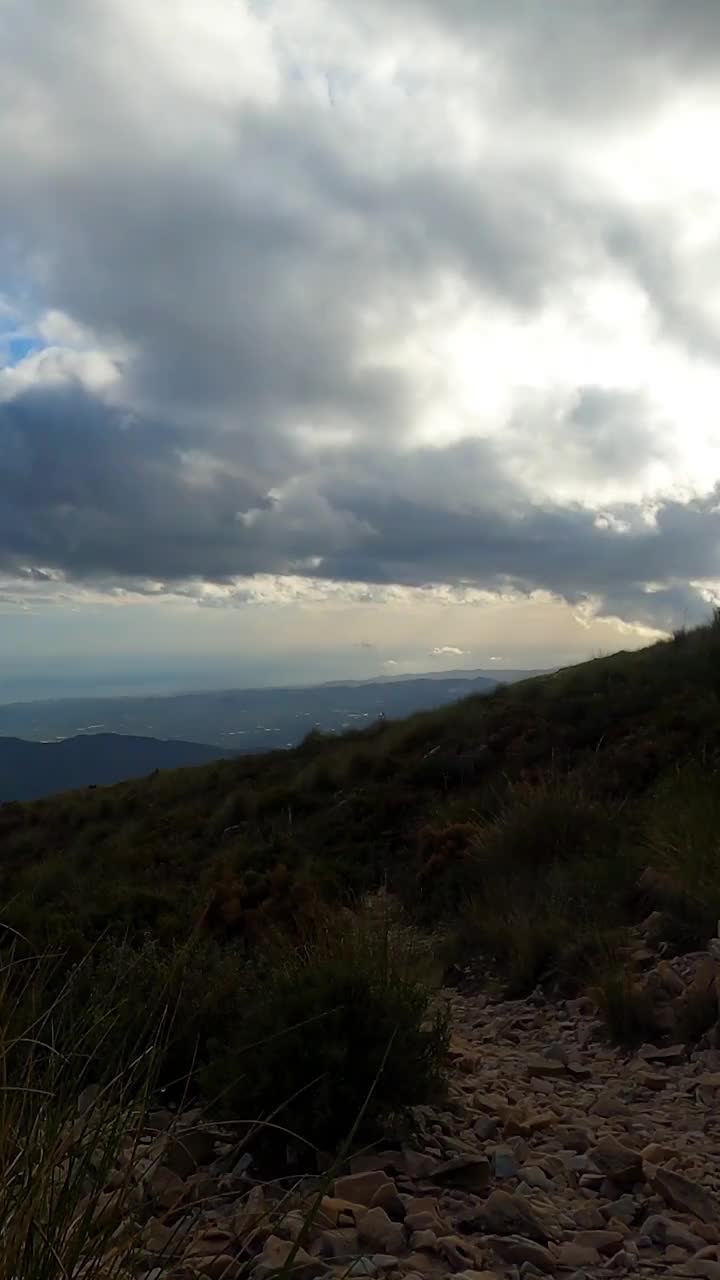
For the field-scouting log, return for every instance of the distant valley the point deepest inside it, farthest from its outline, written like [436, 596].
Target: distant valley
[244, 719]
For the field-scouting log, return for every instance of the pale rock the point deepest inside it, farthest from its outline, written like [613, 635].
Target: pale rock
[426, 1239]
[212, 1241]
[275, 1257]
[623, 1209]
[248, 1213]
[360, 1188]
[471, 1173]
[505, 1213]
[165, 1186]
[671, 1056]
[360, 1267]
[418, 1164]
[340, 1243]
[571, 1254]
[603, 1241]
[423, 1220]
[588, 1217]
[664, 1231]
[504, 1163]
[385, 1261]
[608, 1106]
[536, 1178]
[519, 1249]
[544, 1068]
[623, 1165]
[387, 1198]
[378, 1232]
[682, 1194]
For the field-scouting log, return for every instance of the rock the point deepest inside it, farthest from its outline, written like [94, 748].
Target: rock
[603, 1241]
[533, 1176]
[704, 1267]
[166, 1187]
[249, 1213]
[577, 1255]
[379, 1232]
[608, 1105]
[276, 1259]
[670, 980]
[220, 1266]
[423, 1240]
[359, 1188]
[672, 1056]
[210, 1243]
[652, 1080]
[419, 1165]
[339, 1243]
[156, 1235]
[459, 1253]
[184, 1151]
[332, 1212]
[362, 1267]
[389, 1162]
[623, 1165]
[387, 1198]
[680, 1193]
[385, 1261]
[624, 1209]
[504, 1163]
[544, 1068]
[505, 1213]
[589, 1218]
[573, 1137]
[654, 1153]
[424, 1220]
[291, 1225]
[471, 1173]
[519, 1249]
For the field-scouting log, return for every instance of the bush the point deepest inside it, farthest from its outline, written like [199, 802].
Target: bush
[627, 1008]
[326, 1026]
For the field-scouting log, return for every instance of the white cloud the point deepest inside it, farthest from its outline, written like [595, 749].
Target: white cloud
[447, 650]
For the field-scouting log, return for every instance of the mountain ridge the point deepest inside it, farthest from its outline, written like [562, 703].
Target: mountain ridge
[31, 770]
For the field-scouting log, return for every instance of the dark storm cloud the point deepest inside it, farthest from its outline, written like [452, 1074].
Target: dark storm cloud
[90, 491]
[238, 257]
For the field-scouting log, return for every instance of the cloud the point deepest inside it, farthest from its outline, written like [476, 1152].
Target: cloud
[447, 650]
[355, 299]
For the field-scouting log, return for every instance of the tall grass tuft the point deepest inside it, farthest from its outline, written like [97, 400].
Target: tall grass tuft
[69, 1125]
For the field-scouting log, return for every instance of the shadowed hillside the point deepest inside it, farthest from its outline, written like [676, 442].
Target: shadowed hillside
[29, 770]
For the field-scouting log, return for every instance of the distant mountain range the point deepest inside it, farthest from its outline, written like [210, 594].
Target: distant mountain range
[29, 770]
[62, 744]
[246, 719]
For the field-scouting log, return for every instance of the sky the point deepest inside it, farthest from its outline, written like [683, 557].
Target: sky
[349, 338]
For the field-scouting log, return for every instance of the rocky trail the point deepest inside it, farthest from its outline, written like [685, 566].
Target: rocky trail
[554, 1154]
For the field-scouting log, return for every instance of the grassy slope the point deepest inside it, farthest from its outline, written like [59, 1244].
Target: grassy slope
[519, 822]
[414, 804]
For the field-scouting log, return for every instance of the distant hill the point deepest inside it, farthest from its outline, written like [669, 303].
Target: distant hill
[29, 770]
[245, 719]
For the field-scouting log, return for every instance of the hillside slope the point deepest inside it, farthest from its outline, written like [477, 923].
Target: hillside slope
[538, 794]
[29, 770]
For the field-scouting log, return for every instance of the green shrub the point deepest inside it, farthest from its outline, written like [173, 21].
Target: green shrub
[327, 1024]
[626, 1007]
